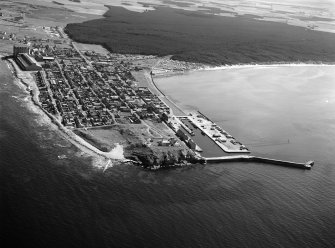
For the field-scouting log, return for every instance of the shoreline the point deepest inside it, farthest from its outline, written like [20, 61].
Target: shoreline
[116, 154]
[207, 67]
[110, 157]
[265, 65]
[224, 67]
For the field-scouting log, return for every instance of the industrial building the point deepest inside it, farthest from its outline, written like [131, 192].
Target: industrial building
[27, 63]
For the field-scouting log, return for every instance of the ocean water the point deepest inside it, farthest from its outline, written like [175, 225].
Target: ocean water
[48, 202]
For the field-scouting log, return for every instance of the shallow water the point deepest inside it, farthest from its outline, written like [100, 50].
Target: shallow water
[47, 202]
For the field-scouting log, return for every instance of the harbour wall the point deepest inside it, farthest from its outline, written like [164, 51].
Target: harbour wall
[245, 158]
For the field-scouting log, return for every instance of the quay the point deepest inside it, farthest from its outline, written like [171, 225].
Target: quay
[220, 137]
[247, 158]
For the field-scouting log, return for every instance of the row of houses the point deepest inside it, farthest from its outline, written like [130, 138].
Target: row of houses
[44, 96]
[96, 94]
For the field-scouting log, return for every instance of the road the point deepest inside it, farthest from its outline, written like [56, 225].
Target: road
[146, 80]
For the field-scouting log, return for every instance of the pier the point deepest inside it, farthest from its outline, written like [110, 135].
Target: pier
[246, 158]
[220, 137]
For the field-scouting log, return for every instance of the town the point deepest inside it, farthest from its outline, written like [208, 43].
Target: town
[88, 91]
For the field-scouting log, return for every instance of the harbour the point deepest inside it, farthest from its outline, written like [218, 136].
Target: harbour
[223, 144]
[247, 114]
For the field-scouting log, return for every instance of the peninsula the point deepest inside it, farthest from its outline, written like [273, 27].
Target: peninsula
[107, 99]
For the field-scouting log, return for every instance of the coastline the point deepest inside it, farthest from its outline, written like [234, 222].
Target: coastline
[265, 65]
[167, 99]
[103, 159]
[207, 67]
[116, 154]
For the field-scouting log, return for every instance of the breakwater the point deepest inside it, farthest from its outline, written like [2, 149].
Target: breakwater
[246, 158]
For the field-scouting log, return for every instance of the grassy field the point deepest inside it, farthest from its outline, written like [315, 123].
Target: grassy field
[198, 37]
[132, 139]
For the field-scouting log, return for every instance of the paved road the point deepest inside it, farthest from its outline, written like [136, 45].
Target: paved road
[145, 80]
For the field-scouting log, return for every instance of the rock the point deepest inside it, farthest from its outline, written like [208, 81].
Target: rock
[161, 159]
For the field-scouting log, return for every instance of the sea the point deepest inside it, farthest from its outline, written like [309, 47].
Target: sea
[54, 195]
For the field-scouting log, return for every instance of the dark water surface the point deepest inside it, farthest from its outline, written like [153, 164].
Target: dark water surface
[47, 202]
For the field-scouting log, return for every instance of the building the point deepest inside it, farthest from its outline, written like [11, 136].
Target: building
[191, 144]
[164, 142]
[27, 63]
[20, 48]
[182, 135]
[48, 58]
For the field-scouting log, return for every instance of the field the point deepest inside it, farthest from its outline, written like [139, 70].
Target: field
[199, 37]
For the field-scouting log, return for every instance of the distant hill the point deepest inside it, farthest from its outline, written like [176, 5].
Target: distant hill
[199, 37]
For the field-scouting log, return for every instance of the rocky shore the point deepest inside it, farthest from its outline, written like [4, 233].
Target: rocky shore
[153, 160]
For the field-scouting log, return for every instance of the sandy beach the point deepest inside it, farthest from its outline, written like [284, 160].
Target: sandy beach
[206, 67]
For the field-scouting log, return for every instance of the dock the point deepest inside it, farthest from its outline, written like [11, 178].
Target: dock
[220, 137]
[246, 158]
[192, 125]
